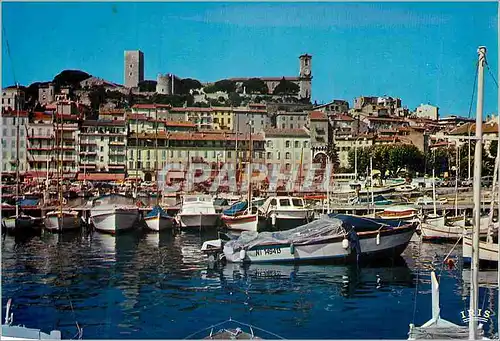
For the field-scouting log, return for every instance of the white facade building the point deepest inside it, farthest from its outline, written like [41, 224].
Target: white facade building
[427, 111]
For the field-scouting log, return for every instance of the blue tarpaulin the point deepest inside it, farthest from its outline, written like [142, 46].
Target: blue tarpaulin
[236, 208]
[28, 202]
[156, 210]
[365, 224]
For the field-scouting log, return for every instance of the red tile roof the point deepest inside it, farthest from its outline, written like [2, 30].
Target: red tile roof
[179, 124]
[342, 117]
[317, 116]
[272, 132]
[14, 114]
[143, 106]
[464, 129]
[192, 109]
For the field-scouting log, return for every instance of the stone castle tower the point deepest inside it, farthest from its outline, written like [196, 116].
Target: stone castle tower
[165, 84]
[305, 76]
[134, 68]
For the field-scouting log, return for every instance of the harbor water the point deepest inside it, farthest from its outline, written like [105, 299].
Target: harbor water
[152, 286]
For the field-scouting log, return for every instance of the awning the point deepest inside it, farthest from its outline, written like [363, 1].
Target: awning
[101, 177]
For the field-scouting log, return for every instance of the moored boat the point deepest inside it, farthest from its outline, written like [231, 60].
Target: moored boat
[283, 213]
[60, 221]
[159, 220]
[239, 218]
[336, 237]
[113, 213]
[197, 212]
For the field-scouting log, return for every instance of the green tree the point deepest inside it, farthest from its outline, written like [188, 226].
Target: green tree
[380, 155]
[255, 86]
[331, 152]
[363, 159]
[286, 88]
[234, 99]
[225, 85]
[147, 86]
[70, 78]
[405, 156]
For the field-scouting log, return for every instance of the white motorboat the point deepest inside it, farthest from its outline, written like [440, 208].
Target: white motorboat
[11, 332]
[336, 237]
[283, 213]
[398, 213]
[60, 221]
[406, 188]
[197, 211]
[240, 217]
[158, 220]
[114, 213]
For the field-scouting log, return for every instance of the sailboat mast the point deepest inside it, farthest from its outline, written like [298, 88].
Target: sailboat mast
[457, 175]
[250, 172]
[474, 289]
[156, 159]
[434, 191]
[17, 150]
[61, 166]
[371, 183]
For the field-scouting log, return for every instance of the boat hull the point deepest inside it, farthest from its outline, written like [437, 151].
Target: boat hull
[372, 244]
[159, 223]
[246, 222]
[198, 220]
[68, 222]
[115, 221]
[23, 223]
[284, 220]
[487, 252]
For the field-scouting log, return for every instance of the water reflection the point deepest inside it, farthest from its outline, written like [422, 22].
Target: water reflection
[141, 285]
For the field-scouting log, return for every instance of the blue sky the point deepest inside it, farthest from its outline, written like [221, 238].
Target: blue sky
[420, 52]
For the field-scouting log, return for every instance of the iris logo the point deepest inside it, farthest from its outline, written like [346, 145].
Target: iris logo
[481, 315]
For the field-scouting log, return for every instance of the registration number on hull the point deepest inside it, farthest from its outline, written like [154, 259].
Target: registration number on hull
[265, 252]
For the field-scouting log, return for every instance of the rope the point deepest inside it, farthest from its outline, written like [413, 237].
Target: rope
[473, 91]
[449, 253]
[491, 73]
[8, 52]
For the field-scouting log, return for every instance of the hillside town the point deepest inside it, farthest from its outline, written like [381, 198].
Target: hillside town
[132, 138]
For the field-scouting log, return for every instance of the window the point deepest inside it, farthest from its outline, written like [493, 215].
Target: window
[305, 144]
[297, 202]
[102, 138]
[261, 155]
[297, 144]
[102, 148]
[284, 202]
[287, 144]
[273, 202]
[171, 153]
[4, 132]
[147, 165]
[164, 154]
[287, 167]
[131, 165]
[278, 155]
[291, 126]
[148, 155]
[22, 143]
[283, 126]
[102, 159]
[131, 154]
[287, 155]
[13, 144]
[269, 144]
